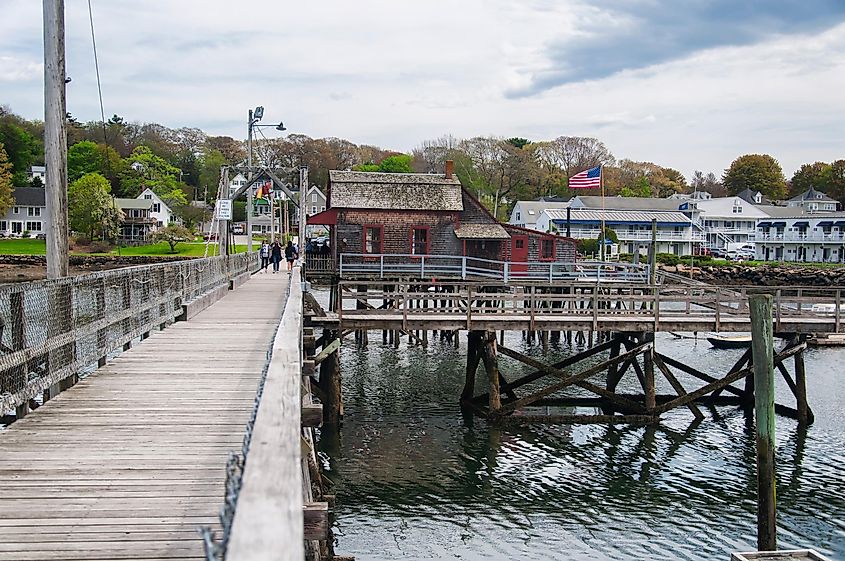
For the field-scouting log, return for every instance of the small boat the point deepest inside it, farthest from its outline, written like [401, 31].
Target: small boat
[827, 340]
[730, 342]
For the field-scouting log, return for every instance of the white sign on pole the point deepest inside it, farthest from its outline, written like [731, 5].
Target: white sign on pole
[223, 209]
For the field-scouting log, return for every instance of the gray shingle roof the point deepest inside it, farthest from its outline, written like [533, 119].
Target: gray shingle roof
[29, 196]
[812, 195]
[395, 191]
[142, 204]
[481, 232]
[785, 211]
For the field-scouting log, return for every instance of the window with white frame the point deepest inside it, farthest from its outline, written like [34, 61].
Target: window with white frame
[16, 210]
[156, 207]
[3, 225]
[34, 226]
[313, 210]
[33, 211]
[737, 209]
[148, 196]
[313, 197]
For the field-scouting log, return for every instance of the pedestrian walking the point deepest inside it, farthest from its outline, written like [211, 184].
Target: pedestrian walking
[264, 253]
[276, 255]
[290, 255]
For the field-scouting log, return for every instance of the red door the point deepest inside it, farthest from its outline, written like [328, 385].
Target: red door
[519, 254]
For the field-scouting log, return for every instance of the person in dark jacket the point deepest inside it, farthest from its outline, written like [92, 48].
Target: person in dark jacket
[290, 255]
[276, 255]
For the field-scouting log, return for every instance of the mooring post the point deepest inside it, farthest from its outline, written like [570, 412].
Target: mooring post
[760, 306]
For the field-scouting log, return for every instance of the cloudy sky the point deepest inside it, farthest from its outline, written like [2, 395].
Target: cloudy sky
[689, 84]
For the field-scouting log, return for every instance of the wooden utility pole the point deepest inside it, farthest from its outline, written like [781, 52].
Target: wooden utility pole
[764, 414]
[55, 138]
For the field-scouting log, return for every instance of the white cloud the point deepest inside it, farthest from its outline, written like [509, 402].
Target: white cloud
[13, 69]
[397, 74]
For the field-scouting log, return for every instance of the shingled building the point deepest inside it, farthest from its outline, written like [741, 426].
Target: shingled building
[426, 214]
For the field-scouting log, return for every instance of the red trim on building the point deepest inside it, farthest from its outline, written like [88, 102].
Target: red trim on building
[364, 228]
[412, 232]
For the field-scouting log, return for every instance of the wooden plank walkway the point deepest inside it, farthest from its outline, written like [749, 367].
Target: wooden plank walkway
[131, 461]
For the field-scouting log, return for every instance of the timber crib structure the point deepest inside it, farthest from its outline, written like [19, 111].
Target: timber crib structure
[615, 321]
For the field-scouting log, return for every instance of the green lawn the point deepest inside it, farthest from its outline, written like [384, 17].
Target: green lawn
[22, 247]
[186, 249]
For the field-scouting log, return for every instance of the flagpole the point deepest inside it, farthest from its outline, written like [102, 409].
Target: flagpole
[601, 233]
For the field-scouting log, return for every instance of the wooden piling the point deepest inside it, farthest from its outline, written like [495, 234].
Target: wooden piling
[330, 383]
[491, 365]
[760, 306]
[805, 415]
[474, 342]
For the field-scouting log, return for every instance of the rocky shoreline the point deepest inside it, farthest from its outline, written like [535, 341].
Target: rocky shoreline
[762, 275]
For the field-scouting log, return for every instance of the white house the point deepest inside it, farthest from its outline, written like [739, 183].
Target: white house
[526, 213]
[236, 183]
[315, 201]
[676, 232]
[802, 237]
[727, 220]
[40, 172]
[159, 211]
[27, 215]
[813, 201]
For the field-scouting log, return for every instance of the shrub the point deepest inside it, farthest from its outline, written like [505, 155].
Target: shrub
[82, 240]
[668, 259]
[100, 247]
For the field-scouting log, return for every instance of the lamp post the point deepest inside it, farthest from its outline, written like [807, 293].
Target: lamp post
[252, 122]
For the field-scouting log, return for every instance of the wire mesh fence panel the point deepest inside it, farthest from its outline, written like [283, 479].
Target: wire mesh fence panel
[53, 329]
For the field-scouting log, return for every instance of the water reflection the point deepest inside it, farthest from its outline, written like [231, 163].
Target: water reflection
[417, 479]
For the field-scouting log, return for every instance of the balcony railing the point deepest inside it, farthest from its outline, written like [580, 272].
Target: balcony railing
[802, 237]
[640, 235]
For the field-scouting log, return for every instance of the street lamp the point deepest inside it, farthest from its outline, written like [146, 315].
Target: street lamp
[252, 122]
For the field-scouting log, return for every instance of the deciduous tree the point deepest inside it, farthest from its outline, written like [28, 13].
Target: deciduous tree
[172, 234]
[90, 206]
[758, 172]
[7, 201]
[816, 176]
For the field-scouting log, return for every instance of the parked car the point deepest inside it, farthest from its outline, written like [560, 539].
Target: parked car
[702, 251]
[718, 252]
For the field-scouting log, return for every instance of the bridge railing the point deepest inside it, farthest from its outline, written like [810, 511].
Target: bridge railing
[51, 330]
[468, 301]
[268, 521]
[469, 268]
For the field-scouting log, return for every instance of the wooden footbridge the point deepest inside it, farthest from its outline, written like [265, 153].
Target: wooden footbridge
[168, 411]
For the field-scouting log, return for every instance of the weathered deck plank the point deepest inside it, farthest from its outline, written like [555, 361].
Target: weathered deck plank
[131, 461]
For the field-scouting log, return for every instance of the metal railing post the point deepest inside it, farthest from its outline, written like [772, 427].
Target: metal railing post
[422, 266]
[463, 267]
[507, 271]
[381, 265]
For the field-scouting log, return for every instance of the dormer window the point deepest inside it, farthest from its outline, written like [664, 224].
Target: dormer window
[518, 217]
[758, 198]
[737, 209]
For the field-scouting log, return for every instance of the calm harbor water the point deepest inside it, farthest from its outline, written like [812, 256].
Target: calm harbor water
[417, 480]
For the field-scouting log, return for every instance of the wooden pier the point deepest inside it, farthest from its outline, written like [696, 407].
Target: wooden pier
[130, 462]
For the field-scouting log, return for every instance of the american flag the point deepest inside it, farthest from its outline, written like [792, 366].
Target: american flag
[587, 179]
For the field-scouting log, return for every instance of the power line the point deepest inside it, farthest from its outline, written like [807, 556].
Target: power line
[99, 85]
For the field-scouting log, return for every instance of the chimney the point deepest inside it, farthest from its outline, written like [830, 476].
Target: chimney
[450, 169]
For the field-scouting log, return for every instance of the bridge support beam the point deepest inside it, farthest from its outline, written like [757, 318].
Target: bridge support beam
[330, 382]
